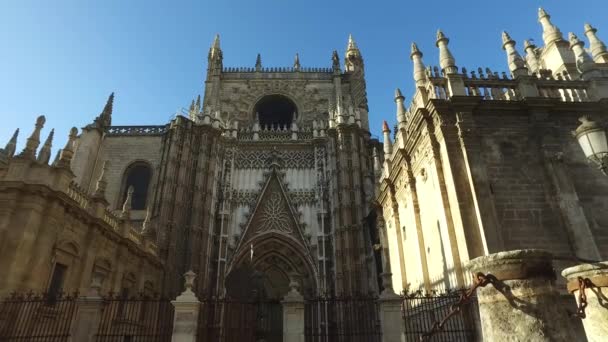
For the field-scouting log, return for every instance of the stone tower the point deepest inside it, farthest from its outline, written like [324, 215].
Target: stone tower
[269, 178]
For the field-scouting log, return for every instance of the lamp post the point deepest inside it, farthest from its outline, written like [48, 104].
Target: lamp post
[592, 138]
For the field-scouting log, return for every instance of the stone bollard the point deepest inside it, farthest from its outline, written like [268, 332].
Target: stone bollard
[187, 307]
[596, 312]
[524, 304]
[293, 314]
[88, 314]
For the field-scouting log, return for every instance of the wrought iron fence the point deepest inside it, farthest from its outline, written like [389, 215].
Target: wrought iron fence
[422, 311]
[229, 320]
[136, 319]
[37, 317]
[343, 318]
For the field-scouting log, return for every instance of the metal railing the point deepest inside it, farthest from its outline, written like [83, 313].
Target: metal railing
[136, 319]
[229, 320]
[343, 318]
[37, 317]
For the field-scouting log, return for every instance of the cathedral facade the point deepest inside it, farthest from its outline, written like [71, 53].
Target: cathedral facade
[266, 179]
[271, 177]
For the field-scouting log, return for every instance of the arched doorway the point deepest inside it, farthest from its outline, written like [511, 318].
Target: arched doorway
[263, 277]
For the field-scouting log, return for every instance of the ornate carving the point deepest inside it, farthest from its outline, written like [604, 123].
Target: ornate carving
[274, 216]
[260, 159]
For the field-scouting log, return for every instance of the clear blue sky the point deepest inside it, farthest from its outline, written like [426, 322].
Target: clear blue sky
[62, 58]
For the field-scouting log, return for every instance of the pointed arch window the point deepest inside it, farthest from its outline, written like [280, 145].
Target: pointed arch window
[138, 175]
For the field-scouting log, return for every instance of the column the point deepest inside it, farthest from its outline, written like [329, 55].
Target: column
[293, 314]
[88, 315]
[524, 305]
[596, 293]
[186, 312]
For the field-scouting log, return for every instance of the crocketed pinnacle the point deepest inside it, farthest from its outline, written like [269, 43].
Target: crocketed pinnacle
[419, 68]
[258, 62]
[45, 152]
[352, 45]
[33, 141]
[12, 144]
[296, 62]
[104, 119]
[388, 144]
[596, 45]
[66, 154]
[335, 61]
[446, 59]
[100, 186]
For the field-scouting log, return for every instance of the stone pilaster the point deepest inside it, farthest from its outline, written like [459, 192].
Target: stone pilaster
[293, 315]
[187, 308]
[596, 312]
[524, 305]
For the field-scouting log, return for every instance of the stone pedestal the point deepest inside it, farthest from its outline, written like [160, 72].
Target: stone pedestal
[87, 319]
[293, 315]
[187, 308]
[596, 320]
[524, 305]
[391, 319]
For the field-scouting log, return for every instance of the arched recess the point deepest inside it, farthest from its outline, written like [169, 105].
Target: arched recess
[275, 110]
[139, 175]
[277, 259]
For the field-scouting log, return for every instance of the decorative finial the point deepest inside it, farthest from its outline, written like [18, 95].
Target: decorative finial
[385, 127]
[550, 32]
[189, 280]
[45, 152]
[11, 146]
[147, 228]
[517, 65]
[100, 187]
[216, 41]
[399, 98]
[353, 60]
[258, 62]
[596, 45]
[351, 43]
[33, 141]
[419, 69]
[65, 157]
[531, 55]
[584, 63]
[446, 59]
[296, 62]
[126, 206]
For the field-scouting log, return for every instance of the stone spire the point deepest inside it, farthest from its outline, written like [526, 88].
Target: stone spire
[597, 47]
[550, 32]
[33, 141]
[11, 146]
[517, 65]
[126, 206]
[45, 152]
[419, 68]
[446, 59]
[100, 187]
[215, 57]
[353, 59]
[399, 98]
[296, 62]
[584, 63]
[531, 56]
[65, 157]
[258, 62]
[388, 144]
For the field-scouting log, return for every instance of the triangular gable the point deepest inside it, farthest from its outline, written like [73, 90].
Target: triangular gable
[272, 213]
